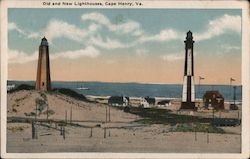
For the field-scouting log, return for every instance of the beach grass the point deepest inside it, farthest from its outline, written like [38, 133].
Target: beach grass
[179, 123]
[70, 93]
[64, 91]
[22, 87]
[197, 127]
[163, 116]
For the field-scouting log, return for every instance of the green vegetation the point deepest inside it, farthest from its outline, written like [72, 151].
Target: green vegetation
[30, 114]
[71, 93]
[163, 116]
[64, 91]
[179, 123]
[43, 95]
[49, 112]
[22, 87]
[41, 105]
[17, 128]
[188, 127]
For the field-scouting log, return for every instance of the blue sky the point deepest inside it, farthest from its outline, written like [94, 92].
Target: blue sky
[123, 33]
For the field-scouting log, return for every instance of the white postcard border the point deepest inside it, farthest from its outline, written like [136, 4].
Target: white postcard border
[146, 4]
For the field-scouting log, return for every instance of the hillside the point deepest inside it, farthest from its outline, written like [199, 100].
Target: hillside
[24, 102]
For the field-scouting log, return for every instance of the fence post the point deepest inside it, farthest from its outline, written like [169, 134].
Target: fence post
[36, 132]
[213, 114]
[195, 135]
[105, 132]
[207, 136]
[61, 130]
[106, 113]
[33, 130]
[47, 112]
[91, 132]
[71, 114]
[64, 132]
[109, 114]
[65, 116]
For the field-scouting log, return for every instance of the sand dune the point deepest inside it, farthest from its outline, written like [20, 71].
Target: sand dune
[22, 102]
[125, 135]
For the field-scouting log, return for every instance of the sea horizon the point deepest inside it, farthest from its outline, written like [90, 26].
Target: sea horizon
[133, 89]
[201, 84]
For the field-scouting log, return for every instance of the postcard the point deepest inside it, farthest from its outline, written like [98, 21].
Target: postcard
[125, 79]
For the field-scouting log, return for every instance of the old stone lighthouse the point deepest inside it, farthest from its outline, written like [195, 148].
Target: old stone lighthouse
[43, 81]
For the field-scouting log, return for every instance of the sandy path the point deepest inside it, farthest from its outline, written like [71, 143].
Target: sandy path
[154, 138]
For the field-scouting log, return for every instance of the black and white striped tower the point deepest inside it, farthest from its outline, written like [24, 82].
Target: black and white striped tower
[188, 92]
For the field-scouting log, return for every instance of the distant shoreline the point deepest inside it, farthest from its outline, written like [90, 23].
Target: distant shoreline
[238, 85]
[169, 91]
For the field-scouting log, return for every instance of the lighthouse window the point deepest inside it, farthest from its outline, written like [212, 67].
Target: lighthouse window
[43, 83]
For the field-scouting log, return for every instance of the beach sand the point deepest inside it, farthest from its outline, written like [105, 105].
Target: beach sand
[122, 134]
[150, 138]
[24, 102]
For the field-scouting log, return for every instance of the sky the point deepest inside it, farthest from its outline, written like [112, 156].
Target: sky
[125, 45]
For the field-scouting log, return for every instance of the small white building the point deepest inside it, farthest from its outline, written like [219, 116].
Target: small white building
[10, 87]
[164, 103]
[118, 101]
[147, 102]
[144, 103]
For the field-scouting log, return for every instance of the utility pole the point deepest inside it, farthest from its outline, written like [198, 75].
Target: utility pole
[47, 110]
[109, 114]
[200, 78]
[231, 82]
[71, 114]
[106, 113]
[234, 87]
[36, 112]
[65, 116]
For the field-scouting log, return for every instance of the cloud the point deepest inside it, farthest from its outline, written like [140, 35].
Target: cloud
[93, 27]
[89, 51]
[27, 34]
[216, 27]
[34, 35]
[58, 29]
[173, 57]
[107, 43]
[229, 48]
[141, 52]
[91, 36]
[16, 56]
[129, 26]
[13, 26]
[163, 35]
[220, 26]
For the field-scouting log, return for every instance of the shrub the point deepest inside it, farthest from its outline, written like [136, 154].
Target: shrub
[50, 112]
[41, 104]
[43, 95]
[22, 87]
[71, 93]
[30, 114]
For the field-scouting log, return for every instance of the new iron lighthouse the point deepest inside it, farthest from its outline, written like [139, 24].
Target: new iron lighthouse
[43, 81]
[188, 92]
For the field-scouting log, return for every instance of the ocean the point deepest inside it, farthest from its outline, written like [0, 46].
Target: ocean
[138, 89]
